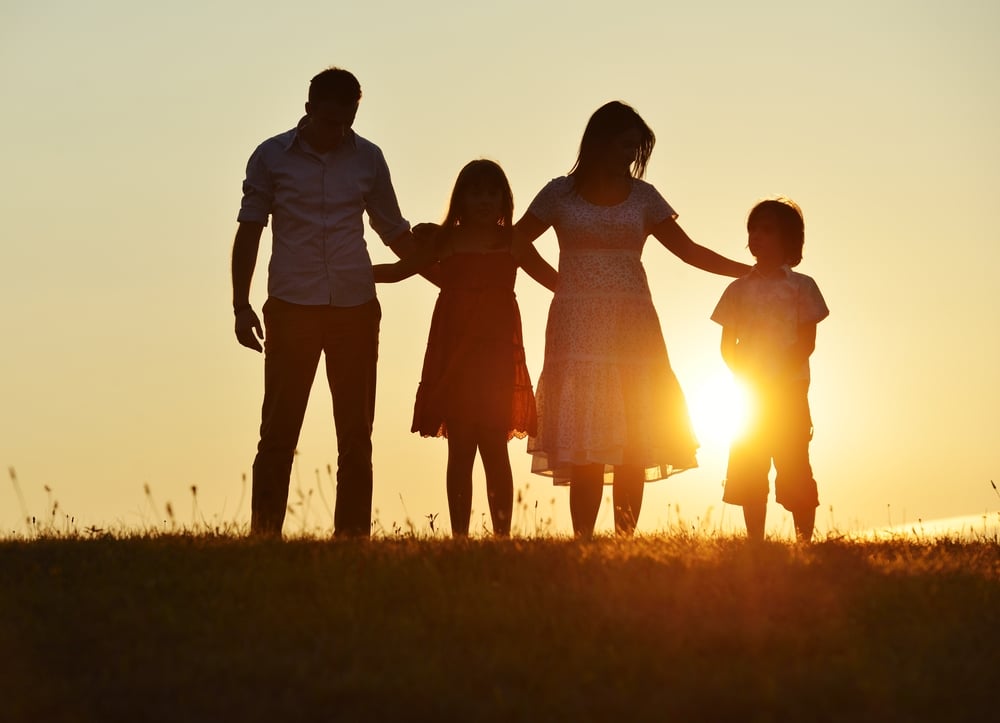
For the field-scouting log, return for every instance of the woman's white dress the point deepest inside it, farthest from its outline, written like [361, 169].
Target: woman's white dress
[606, 393]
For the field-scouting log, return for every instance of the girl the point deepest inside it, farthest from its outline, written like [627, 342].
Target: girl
[474, 389]
[609, 406]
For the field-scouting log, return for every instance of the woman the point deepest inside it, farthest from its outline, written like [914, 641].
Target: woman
[609, 406]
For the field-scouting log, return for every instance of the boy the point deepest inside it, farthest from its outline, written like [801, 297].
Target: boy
[768, 320]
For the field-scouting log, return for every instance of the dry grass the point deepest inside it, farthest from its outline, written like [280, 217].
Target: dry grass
[216, 627]
[196, 622]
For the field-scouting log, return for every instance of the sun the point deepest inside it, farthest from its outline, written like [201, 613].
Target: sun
[718, 406]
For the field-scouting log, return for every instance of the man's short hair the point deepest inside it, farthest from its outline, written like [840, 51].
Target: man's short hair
[334, 84]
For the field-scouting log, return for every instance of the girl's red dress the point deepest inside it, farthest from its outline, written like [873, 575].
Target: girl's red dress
[474, 367]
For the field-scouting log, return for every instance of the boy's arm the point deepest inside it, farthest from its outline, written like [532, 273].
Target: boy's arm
[728, 348]
[805, 344]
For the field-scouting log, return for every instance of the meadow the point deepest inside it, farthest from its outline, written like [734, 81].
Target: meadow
[210, 625]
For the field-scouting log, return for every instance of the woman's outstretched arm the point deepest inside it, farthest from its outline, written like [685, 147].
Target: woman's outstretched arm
[677, 242]
[523, 249]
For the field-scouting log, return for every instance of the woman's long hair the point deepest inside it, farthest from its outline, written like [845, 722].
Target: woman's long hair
[607, 123]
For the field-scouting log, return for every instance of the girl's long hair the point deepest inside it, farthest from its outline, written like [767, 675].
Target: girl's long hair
[481, 172]
[608, 122]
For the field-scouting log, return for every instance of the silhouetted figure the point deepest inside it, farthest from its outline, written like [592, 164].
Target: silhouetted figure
[315, 182]
[768, 320]
[608, 401]
[474, 389]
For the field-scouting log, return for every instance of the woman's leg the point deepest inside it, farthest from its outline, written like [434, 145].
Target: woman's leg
[586, 489]
[461, 456]
[499, 479]
[630, 482]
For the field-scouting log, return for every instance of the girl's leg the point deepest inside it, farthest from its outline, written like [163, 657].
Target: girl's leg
[586, 488]
[630, 482]
[499, 479]
[461, 456]
[754, 516]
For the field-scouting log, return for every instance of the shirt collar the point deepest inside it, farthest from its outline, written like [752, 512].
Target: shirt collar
[784, 272]
[294, 135]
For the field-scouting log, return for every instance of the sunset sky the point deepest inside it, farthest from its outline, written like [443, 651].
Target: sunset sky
[126, 132]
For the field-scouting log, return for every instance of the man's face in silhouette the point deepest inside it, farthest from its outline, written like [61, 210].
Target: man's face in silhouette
[329, 122]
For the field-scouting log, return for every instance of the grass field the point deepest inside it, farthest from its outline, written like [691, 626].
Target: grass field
[220, 628]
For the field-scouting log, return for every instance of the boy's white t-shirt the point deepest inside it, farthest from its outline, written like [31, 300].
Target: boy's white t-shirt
[765, 312]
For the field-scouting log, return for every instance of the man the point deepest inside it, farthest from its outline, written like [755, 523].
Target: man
[315, 182]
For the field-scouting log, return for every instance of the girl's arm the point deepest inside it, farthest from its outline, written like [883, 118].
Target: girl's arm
[523, 250]
[677, 242]
[420, 259]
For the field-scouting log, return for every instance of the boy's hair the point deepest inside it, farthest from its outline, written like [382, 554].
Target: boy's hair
[787, 216]
[334, 84]
[481, 172]
[608, 121]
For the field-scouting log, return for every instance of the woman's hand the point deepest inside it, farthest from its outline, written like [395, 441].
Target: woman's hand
[524, 252]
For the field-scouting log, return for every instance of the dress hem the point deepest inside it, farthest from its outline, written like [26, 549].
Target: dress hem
[561, 473]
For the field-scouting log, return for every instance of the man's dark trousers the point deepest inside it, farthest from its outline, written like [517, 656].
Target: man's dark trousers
[294, 337]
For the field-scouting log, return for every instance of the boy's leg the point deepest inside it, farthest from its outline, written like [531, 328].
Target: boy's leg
[351, 348]
[293, 341]
[755, 516]
[747, 482]
[805, 521]
[794, 485]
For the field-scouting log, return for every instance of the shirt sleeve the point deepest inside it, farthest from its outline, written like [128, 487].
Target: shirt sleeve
[812, 306]
[381, 204]
[258, 190]
[657, 208]
[544, 206]
[726, 310]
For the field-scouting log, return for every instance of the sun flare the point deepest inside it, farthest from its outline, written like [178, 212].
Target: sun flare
[718, 406]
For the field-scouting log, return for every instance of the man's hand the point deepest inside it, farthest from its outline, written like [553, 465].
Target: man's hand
[249, 331]
[424, 232]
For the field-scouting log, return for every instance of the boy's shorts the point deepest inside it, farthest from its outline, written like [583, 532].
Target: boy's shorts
[779, 428]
